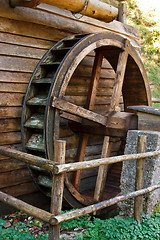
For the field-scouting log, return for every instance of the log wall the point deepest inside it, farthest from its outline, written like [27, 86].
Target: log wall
[25, 35]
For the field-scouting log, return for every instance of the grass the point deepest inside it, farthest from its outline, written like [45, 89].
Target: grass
[110, 229]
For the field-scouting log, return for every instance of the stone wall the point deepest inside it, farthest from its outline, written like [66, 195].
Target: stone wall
[152, 172]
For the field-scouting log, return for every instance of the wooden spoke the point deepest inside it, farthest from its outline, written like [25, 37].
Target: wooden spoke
[120, 72]
[78, 111]
[102, 171]
[90, 105]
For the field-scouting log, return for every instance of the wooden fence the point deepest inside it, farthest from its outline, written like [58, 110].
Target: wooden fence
[58, 168]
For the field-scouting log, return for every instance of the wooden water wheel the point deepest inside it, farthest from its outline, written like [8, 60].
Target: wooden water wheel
[80, 91]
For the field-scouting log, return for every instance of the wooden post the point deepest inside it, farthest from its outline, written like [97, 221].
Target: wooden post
[140, 169]
[57, 189]
[122, 11]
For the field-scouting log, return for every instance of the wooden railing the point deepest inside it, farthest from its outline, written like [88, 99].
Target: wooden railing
[58, 168]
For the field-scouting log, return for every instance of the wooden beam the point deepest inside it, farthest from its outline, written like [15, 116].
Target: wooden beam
[69, 167]
[117, 125]
[93, 8]
[78, 111]
[27, 158]
[120, 72]
[98, 206]
[27, 208]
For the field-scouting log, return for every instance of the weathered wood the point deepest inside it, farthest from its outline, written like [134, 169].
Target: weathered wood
[27, 158]
[10, 138]
[13, 87]
[10, 165]
[69, 167]
[25, 41]
[10, 125]
[120, 72]
[122, 13]
[148, 117]
[57, 189]
[27, 208]
[11, 99]
[21, 51]
[15, 177]
[28, 29]
[20, 189]
[64, 19]
[17, 64]
[94, 8]
[95, 207]
[102, 171]
[118, 123]
[10, 112]
[140, 170]
[14, 77]
[90, 102]
[79, 111]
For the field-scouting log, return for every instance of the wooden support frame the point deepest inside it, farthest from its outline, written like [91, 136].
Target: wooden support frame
[55, 217]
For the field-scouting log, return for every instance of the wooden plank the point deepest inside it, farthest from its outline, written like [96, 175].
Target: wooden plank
[78, 111]
[14, 177]
[13, 87]
[25, 41]
[10, 138]
[21, 51]
[11, 99]
[10, 165]
[86, 71]
[14, 77]
[83, 90]
[20, 189]
[30, 29]
[140, 171]
[10, 112]
[17, 64]
[10, 125]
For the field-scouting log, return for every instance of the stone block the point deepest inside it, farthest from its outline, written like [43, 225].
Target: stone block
[152, 172]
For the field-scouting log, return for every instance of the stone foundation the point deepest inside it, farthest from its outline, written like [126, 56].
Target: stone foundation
[152, 172]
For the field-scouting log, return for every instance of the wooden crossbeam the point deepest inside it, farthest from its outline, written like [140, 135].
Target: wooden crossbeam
[78, 111]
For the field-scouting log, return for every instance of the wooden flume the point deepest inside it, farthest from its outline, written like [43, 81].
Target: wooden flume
[93, 8]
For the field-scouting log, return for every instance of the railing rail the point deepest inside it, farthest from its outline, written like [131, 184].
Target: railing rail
[58, 168]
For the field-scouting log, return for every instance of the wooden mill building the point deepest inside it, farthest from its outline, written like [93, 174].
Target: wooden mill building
[26, 34]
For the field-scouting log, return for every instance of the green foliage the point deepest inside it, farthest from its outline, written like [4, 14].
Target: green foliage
[109, 229]
[149, 29]
[124, 229]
